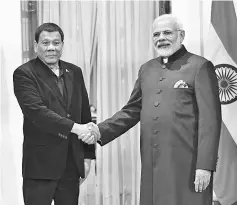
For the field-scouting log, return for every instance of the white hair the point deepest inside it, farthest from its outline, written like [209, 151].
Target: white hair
[170, 17]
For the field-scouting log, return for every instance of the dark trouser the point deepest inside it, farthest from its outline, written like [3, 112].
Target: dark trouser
[64, 191]
[43, 192]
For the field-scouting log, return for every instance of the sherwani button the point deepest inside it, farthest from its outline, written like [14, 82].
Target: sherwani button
[159, 91]
[155, 131]
[156, 104]
[156, 117]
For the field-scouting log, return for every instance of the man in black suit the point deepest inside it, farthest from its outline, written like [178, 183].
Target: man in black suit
[54, 102]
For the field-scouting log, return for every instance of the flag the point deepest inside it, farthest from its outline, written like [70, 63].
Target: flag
[221, 49]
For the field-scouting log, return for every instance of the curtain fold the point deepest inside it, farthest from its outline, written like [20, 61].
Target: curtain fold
[77, 20]
[124, 44]
[109, 40]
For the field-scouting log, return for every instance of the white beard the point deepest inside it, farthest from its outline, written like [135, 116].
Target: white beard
[168, 51]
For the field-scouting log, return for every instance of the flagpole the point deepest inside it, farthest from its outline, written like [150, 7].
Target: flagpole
[201, 28]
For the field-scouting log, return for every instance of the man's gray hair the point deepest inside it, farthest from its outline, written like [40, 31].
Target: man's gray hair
[170, 17]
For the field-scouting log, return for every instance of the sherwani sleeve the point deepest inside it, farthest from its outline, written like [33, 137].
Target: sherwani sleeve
[209, 116]
[124, 119]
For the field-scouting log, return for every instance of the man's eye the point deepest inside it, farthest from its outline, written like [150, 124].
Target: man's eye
[167, 33]
[156, 34]
[56, 43]
[45, 43]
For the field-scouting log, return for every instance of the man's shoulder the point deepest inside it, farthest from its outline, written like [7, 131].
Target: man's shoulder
[149, 65]
[198, 62]
[27, 67]
[150, 62]
[71, 66]
[196, 58]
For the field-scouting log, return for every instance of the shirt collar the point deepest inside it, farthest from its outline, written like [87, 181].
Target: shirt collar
[59, 65]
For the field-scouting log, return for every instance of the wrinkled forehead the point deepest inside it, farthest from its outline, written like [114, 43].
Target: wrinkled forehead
[54, 35]
[164, 24]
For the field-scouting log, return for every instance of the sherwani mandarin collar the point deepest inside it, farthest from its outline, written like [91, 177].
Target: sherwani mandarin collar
[175, 56]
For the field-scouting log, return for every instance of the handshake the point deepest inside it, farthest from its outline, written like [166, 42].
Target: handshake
[89, 133]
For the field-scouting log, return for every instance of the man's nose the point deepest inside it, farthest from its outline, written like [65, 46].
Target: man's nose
[161, 37]
[51, 47]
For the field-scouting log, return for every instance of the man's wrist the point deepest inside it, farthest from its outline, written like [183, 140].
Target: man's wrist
[87, 161]
[87, 164]
[97, 133]
[75, 128]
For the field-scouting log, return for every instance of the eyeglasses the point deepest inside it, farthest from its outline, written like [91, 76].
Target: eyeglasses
[166, 33]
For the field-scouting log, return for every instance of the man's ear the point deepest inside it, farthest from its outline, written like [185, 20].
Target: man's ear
[35, 46]
[62, 45]
[182, 35]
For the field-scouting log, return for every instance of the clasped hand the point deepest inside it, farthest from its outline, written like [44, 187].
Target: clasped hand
[88, 133]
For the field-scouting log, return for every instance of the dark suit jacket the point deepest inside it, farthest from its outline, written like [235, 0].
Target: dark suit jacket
[48, 120]
[180, 127]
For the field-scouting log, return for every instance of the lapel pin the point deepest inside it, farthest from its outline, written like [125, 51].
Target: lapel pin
[67, 70]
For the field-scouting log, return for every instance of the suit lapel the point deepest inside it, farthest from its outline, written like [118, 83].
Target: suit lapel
[45, 72]
[68, 80]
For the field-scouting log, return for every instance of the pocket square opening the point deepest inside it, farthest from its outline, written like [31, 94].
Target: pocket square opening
[180, 84]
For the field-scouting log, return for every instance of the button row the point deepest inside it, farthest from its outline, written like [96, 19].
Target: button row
[159, 91]
[162, 78]
[155, 145]
[156, 104]
[63, 136]
[155, 131]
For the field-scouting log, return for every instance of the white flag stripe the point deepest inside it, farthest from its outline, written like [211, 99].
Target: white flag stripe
[215, 51]
[218, 55]
[225, 179]
[235, 5]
